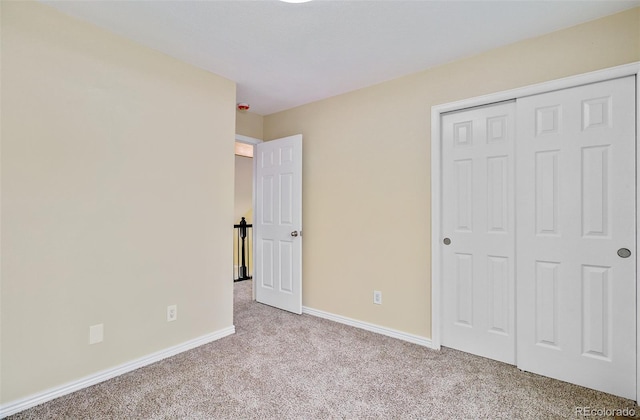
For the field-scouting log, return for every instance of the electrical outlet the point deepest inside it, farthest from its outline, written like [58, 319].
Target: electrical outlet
[377, 297]
[96, 333]
[172, 313]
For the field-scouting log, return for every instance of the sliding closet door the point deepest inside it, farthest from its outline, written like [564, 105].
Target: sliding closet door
[478, 223]
[576, 256]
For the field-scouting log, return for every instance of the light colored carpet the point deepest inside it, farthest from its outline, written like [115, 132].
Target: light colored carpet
[279, 365]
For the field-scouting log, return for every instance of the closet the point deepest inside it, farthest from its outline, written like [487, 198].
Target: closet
[538, 224]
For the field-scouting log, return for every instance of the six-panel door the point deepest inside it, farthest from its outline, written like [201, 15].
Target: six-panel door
[576, 209]
[572, 216]
[278, 223]
[478, 220]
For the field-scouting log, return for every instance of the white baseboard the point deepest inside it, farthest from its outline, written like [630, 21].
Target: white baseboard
[411, 338]
[41, 397]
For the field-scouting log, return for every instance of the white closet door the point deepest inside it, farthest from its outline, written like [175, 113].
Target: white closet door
[576, 228]
[478, 223]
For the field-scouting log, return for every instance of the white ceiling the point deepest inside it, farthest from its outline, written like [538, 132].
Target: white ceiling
[282, 55]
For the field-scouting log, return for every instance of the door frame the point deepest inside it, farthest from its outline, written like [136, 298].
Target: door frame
[252, 141]
[247, 140]
[632, 69]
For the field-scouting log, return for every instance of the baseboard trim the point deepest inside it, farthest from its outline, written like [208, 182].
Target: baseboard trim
[411, 338]
[52, 393]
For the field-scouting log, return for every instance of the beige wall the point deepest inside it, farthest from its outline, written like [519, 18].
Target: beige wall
[366, 168]
[249, 124]
[243, 192]
[116, 200]
[243, 187]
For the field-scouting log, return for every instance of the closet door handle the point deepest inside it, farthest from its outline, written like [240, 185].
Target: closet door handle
[624, 253]
[446, 241]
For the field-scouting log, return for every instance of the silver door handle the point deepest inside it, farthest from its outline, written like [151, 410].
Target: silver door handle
[446, 241]
[294, 233]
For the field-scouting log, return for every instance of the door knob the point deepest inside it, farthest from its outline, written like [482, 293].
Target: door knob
[294, 233]
[624, 253]
[446, 241]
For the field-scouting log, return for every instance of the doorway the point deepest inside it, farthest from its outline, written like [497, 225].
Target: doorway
[243, 264]
[274, 173]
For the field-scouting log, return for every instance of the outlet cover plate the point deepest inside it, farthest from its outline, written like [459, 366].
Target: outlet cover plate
[172, 313]
[377, 297]
[96, 333]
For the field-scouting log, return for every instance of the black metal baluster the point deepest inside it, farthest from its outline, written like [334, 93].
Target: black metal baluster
[243, 235]
[244, 270]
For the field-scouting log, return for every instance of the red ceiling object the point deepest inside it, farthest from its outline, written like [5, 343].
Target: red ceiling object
[243, 106]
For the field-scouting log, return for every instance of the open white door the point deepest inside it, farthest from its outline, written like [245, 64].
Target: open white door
[278, 223]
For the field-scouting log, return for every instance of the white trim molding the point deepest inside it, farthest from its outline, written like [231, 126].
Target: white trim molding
[632, 69]
[637, 235]
[248, 140]
[52, 393]
[411, 338]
